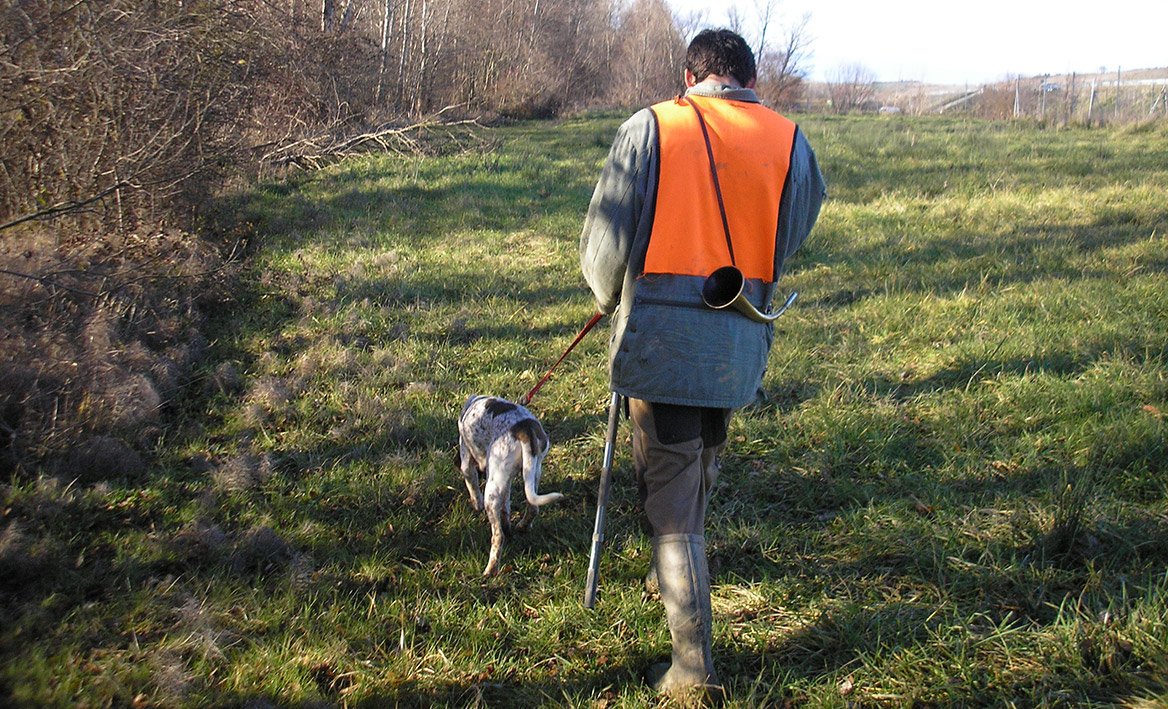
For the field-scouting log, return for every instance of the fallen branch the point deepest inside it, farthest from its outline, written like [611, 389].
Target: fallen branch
[317, 151]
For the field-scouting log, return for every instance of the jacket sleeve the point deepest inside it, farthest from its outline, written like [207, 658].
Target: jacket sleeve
[615, 211]
[802, 200]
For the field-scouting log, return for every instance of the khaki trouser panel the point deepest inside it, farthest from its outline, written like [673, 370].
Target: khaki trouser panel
[674, 480]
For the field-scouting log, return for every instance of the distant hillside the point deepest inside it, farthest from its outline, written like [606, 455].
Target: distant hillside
[1128, 95]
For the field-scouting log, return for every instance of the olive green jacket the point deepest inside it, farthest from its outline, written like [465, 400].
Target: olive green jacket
[666, 345]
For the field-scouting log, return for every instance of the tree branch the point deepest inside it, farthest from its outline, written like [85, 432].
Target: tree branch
[50, 282]
[65, 207]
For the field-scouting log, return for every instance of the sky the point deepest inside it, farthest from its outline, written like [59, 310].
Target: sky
[967, 41]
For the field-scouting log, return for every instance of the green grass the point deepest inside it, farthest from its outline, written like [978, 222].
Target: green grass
[954, 493]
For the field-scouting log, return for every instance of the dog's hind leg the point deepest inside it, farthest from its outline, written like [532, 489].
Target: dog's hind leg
[501, 465]
[470, 474]
[499, 516]
[528, 517]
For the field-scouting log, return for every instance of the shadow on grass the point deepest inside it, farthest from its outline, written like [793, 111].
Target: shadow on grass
[605, 686]
[943, 265]
[824, 650]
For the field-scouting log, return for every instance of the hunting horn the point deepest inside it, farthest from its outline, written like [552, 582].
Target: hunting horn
[723, 288]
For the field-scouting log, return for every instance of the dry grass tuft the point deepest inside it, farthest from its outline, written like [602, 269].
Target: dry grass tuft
[131, 401]
[261, 548]
[24, 559]
[421, 388]
[102, 458]
[268, 399]
[204, 639]
[225, 379]
[272, 393]
[199, 542]
[242, 473]
[174, 680]
[303, 570]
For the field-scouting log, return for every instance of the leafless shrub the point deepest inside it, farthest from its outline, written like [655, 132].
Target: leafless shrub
[98, 117]
[852, 87]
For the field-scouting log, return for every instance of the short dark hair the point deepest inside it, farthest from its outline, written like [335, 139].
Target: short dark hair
[720, 52]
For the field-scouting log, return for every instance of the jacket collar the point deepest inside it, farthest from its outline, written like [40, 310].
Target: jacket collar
[733, 93]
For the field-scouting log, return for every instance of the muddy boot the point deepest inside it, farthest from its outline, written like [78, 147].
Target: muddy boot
[684, 581]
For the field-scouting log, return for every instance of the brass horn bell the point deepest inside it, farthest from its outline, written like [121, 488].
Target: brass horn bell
[723, 289]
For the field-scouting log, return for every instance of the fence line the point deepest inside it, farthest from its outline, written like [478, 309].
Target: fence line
[1093, 99]
[1090, 99]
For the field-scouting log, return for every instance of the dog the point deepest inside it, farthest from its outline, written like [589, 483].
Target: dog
[497, 438]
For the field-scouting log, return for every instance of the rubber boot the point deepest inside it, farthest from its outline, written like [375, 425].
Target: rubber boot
[684, 582]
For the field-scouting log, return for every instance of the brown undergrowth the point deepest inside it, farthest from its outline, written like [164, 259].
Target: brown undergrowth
[95, 341]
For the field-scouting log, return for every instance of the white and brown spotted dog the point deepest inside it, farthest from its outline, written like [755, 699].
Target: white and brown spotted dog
[497, 438]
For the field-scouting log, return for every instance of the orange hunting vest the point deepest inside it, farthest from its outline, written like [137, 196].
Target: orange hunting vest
[752, 149]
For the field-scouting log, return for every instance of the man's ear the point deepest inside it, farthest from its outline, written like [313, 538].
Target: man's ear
[690, 79]
[751, 84]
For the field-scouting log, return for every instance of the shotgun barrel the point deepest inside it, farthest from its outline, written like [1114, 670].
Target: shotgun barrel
[602, 503]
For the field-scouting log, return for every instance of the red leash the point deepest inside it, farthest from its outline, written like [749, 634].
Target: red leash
[591, 323]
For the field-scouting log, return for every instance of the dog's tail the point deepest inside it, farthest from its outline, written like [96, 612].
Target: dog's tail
[535, 444]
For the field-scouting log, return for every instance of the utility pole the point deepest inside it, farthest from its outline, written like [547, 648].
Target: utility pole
[1091, 105]
[1118, 81]
[1042, 90]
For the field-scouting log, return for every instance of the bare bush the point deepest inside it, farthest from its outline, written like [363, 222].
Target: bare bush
[97, 108]
[852, 87]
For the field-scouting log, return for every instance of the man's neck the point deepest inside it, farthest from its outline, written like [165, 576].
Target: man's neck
[718, 80]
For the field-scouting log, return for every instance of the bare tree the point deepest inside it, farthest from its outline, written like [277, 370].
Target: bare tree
[764, 11]
[851, 87]
[650, 54]
[781, 71]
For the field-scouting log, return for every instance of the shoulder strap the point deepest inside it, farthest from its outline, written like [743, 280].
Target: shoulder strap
[714, 174]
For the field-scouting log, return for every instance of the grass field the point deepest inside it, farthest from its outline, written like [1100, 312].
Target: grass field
[954, 494]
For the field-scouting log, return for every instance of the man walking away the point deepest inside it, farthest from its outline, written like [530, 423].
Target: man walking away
[692, 184]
